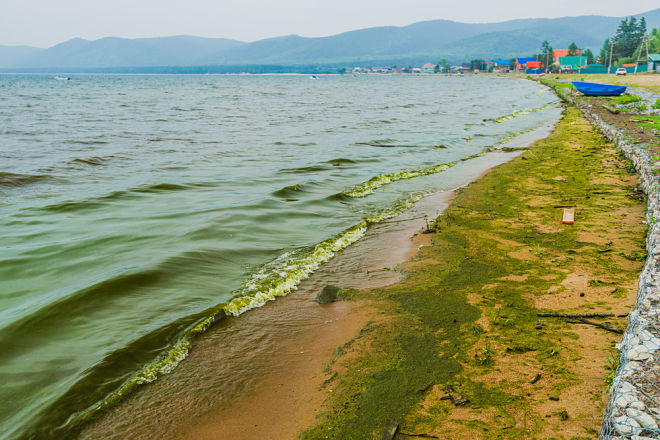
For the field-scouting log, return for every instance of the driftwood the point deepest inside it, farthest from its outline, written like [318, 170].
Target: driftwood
[618, 331]
[611, 109]
[536, 379]
[575, 316]
[602, 251]
[418, 435]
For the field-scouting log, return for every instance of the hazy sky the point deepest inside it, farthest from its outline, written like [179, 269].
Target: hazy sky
[47, 22]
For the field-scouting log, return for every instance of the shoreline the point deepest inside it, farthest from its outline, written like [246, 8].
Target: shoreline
[343, 319]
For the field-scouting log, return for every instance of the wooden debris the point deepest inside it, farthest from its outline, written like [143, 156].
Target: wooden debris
[536, 379]
[602, 251]
[419, 435]
[390, 430]
[575, 315]
[609, 108]
[569, 216]
[618, 331]
[456, 401]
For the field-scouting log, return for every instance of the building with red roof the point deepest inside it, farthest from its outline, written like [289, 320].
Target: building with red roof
[557, 53]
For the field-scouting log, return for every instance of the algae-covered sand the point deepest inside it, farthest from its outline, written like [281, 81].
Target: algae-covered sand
[454, 347]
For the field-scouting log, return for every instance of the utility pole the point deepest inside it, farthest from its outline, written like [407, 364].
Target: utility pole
[645, 42]
[609, 68]
[579, 61]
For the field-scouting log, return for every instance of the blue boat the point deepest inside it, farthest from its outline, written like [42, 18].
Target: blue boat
[595, 89]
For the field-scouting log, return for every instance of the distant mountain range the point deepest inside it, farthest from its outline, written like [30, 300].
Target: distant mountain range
[421, 42]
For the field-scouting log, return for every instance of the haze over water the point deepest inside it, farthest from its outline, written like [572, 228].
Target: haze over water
[135, 210]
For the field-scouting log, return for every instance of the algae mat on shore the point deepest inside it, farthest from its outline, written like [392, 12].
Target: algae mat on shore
[457, 350]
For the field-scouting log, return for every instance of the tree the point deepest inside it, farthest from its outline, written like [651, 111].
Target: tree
[477, 64]
[546, 56]
[605, 52]
[444, 64]
[628, 37]
[654, 41]
[573, 50]
[589, 55]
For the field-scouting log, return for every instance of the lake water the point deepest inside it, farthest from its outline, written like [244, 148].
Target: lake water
[137, 210]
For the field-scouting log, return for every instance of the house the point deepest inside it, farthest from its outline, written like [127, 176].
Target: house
[534, 67]
[522, 62]
[572, 63]
[501, 65]
[559, 53]
[428, 68]
[654, 62]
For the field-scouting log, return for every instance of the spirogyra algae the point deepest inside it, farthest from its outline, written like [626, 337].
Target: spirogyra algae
[464, 321]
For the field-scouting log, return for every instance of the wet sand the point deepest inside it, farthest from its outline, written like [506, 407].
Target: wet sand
[260, 375]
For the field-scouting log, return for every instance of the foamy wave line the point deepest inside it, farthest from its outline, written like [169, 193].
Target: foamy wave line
[521, 113]
[365, 188]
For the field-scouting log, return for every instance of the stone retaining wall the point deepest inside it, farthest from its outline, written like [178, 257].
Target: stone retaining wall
[633, 410]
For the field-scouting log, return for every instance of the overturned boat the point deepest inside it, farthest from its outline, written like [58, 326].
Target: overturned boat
[595, 89]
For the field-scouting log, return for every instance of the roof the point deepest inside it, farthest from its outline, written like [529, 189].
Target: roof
[533, 64]
[573, 61]
[654, 57]
[560, 53]
[428, 66]
[502, 62]
[629, 65]
[525, 60]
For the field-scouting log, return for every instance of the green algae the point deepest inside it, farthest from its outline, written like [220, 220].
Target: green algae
[431, 339]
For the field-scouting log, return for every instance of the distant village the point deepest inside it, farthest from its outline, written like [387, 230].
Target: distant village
[563, 61]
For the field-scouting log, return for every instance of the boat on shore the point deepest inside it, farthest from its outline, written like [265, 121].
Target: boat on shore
[62, 78]
[595, 89]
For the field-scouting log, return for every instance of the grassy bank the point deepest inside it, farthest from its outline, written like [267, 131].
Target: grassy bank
[458, 350]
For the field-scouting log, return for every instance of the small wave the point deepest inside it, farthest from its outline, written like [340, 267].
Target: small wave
[295, 144]
[365, 188]
[86, 142]
[517, 113]
[287, 192]
[340, 161]
[18, 180]
[94, 160]
[400, 146]
[309, 169]
[131, 193]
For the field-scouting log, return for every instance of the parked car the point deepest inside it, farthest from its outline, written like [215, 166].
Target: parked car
[620, 71]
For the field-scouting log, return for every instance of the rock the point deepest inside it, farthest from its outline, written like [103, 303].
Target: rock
[327, 295]
[644, 420]
[638, 405]
[624, 400]
[625, 425]
[638, 353]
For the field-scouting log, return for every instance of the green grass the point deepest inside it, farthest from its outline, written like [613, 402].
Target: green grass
[626, 99]
[648, 121]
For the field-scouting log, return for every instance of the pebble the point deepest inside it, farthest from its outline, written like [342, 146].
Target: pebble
[625, 425]
[644, 419]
